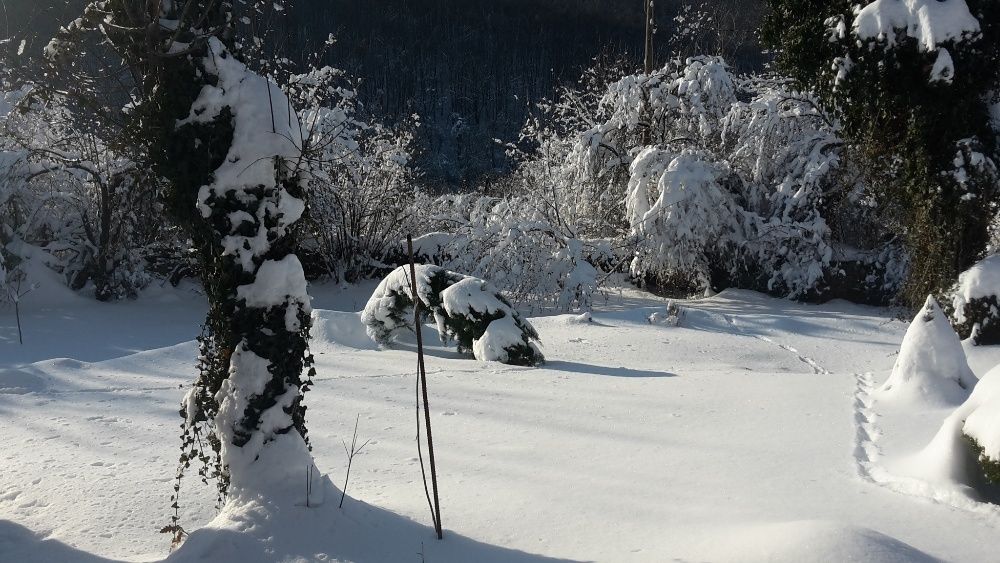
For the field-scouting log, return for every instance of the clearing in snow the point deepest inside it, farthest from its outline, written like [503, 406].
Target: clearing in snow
[751, 431]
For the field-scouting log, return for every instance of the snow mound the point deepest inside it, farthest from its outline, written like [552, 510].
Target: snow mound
[338, 327]
[947, 464]
[809, 540]
[931, 367]
[19, 382]
[501, 336]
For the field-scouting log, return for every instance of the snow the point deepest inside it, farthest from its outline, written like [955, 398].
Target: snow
[944, 68]
[931, 367]
[734, 436]
[500, 334]
[980, 281]
[471, 295]
[254, 100]
[931, 22]
[278, 282]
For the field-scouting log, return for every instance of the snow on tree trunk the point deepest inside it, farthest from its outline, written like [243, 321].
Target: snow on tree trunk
[260, 313]
[931, 367]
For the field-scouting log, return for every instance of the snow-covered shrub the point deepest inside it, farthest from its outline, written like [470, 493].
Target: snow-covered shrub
[361, 197]
[976, 302]
[694, 220]
[511, 241]
[966, 449]
[931, 366]
[84, 204]
[911, 83]
[719, 191]
[467, 310]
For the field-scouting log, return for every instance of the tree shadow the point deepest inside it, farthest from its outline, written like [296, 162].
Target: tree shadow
[576, 367]
[20, 544]
[357, 532]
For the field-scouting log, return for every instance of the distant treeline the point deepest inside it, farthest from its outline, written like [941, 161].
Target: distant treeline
[470, 69]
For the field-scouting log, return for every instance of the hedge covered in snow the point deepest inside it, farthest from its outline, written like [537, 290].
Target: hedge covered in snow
[976, 302]
[467, 310]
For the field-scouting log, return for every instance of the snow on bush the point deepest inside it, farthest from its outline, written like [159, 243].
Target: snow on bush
[694, 217]
[467, 310]
[965, 452]
[930, 22]
[718, 189]
[931, 367]
[976, 302]
[533, 260]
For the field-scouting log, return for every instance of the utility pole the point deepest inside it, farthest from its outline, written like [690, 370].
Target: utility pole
[650, 27]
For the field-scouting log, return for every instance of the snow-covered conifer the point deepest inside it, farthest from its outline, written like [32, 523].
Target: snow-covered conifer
[467, 310]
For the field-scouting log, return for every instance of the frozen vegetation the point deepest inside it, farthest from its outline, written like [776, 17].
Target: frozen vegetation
[674, 328]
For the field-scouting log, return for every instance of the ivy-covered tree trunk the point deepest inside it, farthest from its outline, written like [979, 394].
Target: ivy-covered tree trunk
[240, 203]
[228, 144]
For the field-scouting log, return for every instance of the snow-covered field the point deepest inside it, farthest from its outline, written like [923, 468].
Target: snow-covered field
[750, 432]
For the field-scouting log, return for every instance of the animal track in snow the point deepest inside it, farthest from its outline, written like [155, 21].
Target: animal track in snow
[866, 434]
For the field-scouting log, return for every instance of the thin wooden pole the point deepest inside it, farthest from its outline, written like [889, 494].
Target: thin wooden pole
[422, 374]
[648, 66]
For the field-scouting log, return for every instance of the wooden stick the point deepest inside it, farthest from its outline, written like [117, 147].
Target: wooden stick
[422, 375]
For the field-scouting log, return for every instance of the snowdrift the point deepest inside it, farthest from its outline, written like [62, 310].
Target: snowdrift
[931, 367]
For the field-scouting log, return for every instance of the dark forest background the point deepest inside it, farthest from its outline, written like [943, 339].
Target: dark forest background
[471, 69]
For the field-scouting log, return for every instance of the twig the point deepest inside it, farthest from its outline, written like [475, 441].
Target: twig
[351, 452]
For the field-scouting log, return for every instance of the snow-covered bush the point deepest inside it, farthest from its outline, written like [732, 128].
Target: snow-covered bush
[931, 366]
[466, 309]
[726, 178]
[976, 302]
[84, 204]
[361, 197]
[511, 241]
[966, 449]
[911, 83]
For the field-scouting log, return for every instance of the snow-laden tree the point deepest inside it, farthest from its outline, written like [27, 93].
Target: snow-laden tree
[726, 180]
[86, 205]
[911, 82]
[229, 145]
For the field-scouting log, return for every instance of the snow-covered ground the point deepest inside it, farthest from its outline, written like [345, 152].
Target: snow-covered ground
[750, 432]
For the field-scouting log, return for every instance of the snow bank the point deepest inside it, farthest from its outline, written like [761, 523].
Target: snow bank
[930, 22]
[339, 327]
[812, 541]
[948, 463]
[931, 367]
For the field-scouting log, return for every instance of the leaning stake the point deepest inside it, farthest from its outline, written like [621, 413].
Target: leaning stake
[422, 376]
